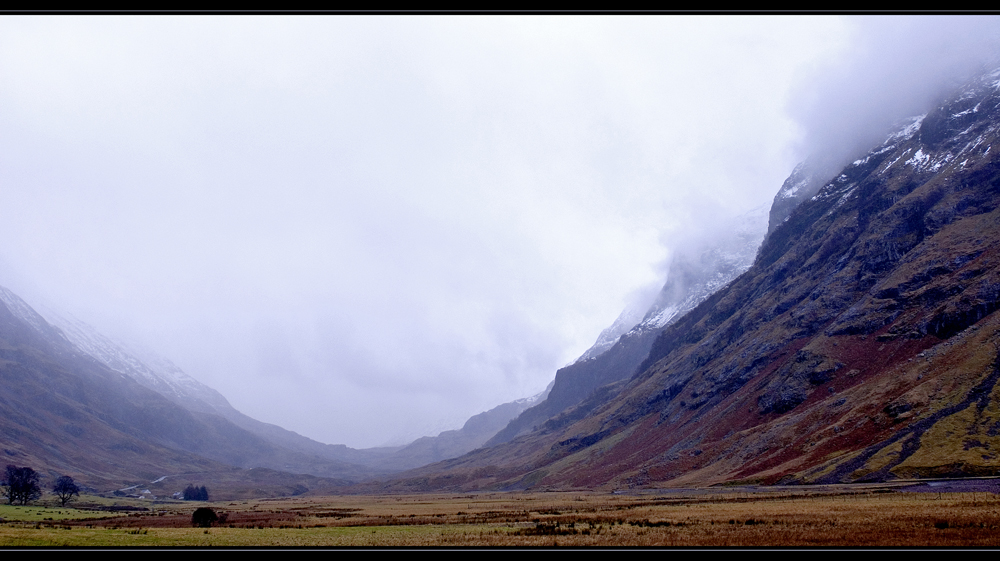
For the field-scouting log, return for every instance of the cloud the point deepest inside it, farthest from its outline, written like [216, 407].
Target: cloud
[370, 228]
[891, 68]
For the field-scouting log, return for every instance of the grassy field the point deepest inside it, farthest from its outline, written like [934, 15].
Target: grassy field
[795, 517]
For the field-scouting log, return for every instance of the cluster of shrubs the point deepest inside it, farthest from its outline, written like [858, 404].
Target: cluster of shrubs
[193, 493]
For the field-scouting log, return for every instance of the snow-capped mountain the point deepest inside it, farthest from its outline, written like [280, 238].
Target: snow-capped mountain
[22, 311]
[861, 345]
[152, 371]
[163, 376]
[79, 403]
[694, 275]
[167, 379]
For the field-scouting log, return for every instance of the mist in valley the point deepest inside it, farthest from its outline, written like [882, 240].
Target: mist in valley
[367, 229]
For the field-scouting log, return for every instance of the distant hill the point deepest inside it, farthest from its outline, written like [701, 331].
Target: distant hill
[267, 445]
[63, 412]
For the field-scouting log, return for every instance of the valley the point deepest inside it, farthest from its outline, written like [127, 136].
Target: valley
[962, 515]
[824, 370]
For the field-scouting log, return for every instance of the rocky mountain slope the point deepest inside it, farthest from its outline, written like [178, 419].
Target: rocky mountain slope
[861, 345]
[695, 274]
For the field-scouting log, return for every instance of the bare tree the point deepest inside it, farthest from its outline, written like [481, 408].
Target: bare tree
[20, 485]
[65, 488]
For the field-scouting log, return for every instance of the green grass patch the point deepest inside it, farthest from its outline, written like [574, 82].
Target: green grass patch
[31, 513]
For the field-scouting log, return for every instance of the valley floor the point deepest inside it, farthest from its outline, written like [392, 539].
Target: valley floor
[747, 517]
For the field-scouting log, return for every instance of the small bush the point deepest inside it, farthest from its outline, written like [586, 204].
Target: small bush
[204, 517]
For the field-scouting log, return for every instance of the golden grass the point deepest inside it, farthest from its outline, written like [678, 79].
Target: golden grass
[731, 517]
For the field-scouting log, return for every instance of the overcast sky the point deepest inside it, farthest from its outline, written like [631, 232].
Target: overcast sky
[367, 229]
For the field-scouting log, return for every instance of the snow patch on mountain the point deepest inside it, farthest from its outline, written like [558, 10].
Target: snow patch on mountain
[527, 402]
[694, 275]
[22, 311]
[798, 181]
[630, 316]
[143, 366]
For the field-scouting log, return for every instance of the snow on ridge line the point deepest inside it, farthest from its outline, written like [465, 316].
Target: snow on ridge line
[21, 310]
[165, 378]
[716, 266]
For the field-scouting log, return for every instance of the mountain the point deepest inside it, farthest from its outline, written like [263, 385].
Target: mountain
[695, 273]
[453, 443]
[862, 344]
[152, 371]
[165, 378]
[63, 411]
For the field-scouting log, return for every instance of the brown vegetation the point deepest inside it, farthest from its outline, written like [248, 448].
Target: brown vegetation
[799, 516]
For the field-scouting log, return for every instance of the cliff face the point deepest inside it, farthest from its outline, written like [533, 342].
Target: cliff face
[861, 344]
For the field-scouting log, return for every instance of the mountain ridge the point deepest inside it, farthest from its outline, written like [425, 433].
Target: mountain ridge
[167, 379]
[64, 411]
[694, 275]
[862, 336]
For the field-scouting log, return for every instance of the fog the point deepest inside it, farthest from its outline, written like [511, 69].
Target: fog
[367, 229]
[891, 68]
